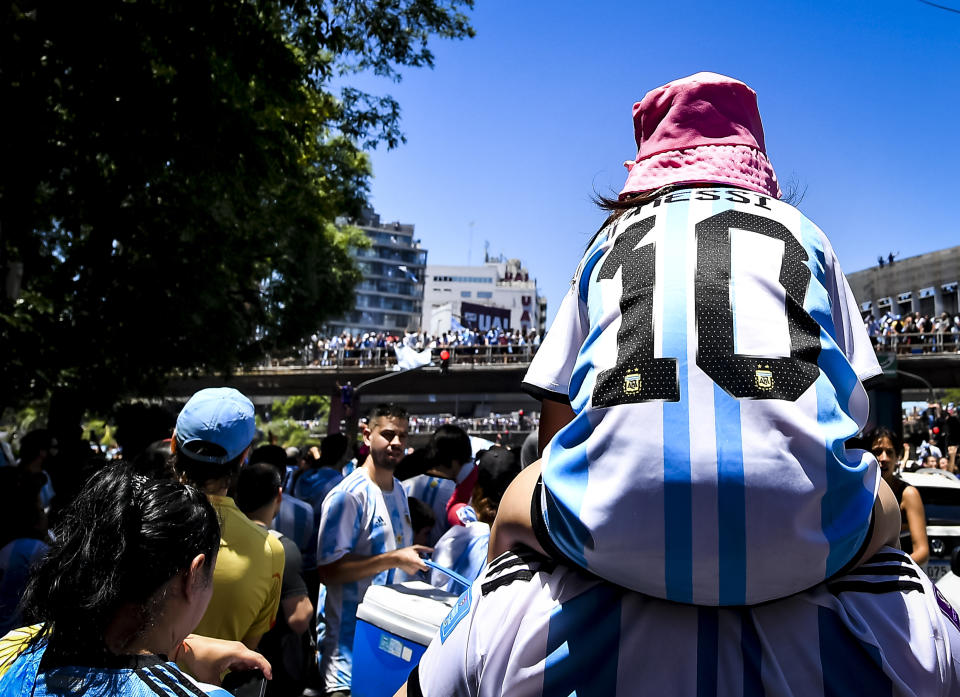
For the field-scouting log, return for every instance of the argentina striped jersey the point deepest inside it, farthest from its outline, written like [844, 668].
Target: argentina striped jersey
[536, 629]
[435, 492]
[140, 676]
[295, 519]
[462, 549]
[713, 354]
[314, 485]
[358, 518]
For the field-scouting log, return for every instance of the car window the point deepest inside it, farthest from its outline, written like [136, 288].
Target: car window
[942, 506]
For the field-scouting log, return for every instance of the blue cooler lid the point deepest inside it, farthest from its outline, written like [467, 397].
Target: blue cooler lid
[411, 610]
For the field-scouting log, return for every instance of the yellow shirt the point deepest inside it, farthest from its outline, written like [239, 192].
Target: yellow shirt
[246, 579]
[13, 643]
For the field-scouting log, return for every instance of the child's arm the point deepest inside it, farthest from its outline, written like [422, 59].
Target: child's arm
[886, 523]
[513, 525]
[553, 417]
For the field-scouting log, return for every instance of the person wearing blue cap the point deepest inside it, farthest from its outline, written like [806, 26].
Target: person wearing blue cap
[212, 439]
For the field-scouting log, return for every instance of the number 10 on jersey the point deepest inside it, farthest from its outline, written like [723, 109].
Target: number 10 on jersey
[639, 376]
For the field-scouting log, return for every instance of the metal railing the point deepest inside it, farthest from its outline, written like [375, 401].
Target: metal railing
[911, 343]
[915, 343]
[387, 358]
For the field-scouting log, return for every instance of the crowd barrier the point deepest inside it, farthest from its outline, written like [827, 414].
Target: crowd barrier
[387, 358]
[916, 343]
[904, 344]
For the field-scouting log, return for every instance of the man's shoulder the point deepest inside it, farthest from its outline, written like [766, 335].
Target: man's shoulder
[323, 474]
[356, 485]
[288, 545]
[243, 535]
[296, 503]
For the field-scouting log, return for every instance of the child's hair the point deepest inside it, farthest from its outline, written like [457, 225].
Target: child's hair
[257, 486]
[271, 455]
[120, 541]
[332, 449]
[200, 473]
[496, 468]
[617, 208]
[412, 465]
[421, 515]
[448, 443]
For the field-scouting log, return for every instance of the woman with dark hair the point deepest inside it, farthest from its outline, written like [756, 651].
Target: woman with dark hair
[125, 582]
[886, 446]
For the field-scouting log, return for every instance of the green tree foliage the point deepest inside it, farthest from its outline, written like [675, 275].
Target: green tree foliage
[302, 408]
[284, 426]
[951, 395]
[172, 175]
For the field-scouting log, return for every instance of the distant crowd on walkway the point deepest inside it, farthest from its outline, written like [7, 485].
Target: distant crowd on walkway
[516, 421]
[377, 348]
[914, 333]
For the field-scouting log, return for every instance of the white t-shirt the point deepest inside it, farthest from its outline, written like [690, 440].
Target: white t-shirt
[713, 354]
[357, 518]
[531, 628]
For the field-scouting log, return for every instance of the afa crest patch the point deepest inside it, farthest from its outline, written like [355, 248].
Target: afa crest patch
[460, 610]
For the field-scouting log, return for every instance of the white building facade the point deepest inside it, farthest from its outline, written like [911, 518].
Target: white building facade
[498, 294]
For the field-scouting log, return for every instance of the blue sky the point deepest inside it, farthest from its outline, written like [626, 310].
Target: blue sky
[513, 131]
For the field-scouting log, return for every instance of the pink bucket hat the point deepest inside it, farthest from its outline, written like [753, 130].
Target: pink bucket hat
[700, 129]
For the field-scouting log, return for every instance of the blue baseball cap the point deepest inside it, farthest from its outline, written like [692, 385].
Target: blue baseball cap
[218, 416]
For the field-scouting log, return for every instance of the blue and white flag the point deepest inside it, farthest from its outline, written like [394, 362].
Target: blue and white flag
[408, 358]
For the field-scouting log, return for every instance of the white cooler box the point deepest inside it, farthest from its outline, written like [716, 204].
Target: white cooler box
[394, 626]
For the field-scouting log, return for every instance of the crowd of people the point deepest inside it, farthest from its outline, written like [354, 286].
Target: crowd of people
[909, 333]
[303, 533]
[500, 423]
[906, 334]
[914, 332]
[699, 517]
[931, 437]
[377, 348]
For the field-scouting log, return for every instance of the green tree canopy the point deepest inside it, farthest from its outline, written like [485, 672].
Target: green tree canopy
[172, 174]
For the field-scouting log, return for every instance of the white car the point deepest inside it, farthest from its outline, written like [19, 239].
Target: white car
[940, 492]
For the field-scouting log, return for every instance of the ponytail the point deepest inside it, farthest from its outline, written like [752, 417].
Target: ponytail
[123, 538]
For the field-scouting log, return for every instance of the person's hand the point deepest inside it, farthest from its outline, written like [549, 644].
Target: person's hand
[208, 659]
[408, 559]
